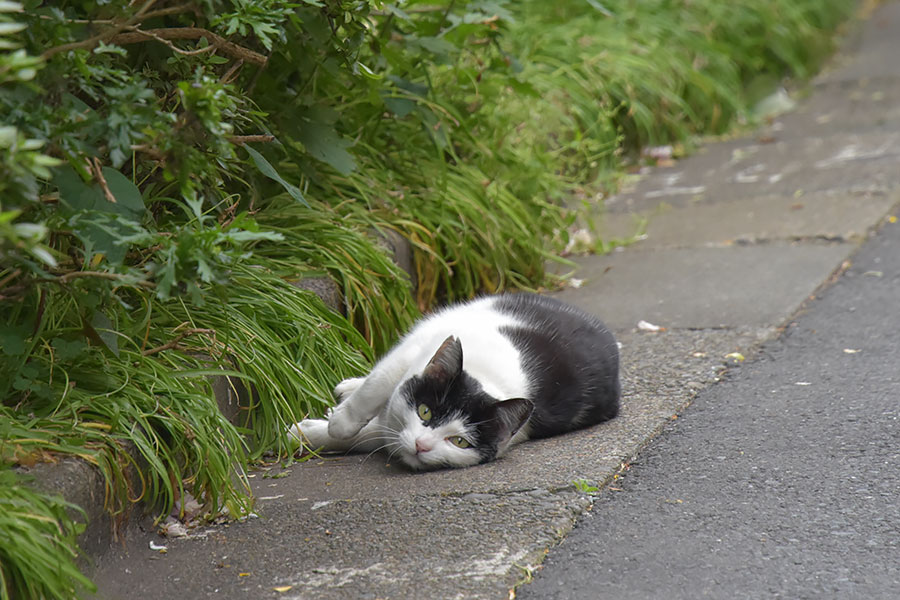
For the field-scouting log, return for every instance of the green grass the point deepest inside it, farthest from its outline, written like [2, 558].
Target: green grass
[470, 234]
[342, 243]
[285, 343]
[139, 392]
[665, 71]
[107, 405]
[584, 486]
[37, 543]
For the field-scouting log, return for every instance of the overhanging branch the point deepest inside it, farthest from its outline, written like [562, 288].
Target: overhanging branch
[113, 36]
[190, 33]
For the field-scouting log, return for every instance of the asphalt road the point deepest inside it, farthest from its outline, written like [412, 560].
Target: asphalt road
[783, 481]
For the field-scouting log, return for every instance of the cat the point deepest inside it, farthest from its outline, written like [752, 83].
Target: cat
[470, 380]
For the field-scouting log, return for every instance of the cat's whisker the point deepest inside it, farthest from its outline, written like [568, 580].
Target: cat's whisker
[379, 449]
[370, 439]
[384, 429]
[394, 451]
[375, 426]
[378, 432]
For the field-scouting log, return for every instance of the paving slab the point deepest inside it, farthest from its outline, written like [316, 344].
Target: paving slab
[872, 49]
[697, 288]
[848, 162]
[824, 215]
[780, 482]
[841, 138]
[355, 549]
[834, 107]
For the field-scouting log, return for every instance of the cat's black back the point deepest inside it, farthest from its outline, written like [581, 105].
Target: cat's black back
[571, 360]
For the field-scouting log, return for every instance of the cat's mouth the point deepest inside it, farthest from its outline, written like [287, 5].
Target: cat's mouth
[414, 462]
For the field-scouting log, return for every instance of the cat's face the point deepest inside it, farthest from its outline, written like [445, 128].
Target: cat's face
[444, 418]
[440, 428]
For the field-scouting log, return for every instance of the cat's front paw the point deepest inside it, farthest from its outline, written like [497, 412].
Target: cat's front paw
[311, 432]
[343, 424]
[343, 390]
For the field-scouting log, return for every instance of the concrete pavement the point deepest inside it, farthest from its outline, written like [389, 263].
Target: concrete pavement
[739, 237]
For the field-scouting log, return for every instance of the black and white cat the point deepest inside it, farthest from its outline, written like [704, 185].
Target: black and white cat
[472, 379]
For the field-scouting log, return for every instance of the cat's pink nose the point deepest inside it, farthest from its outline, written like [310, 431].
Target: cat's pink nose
[422, 446]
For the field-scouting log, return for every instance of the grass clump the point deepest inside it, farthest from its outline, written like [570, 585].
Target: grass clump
[659, 72]
[37, 543]
[280, 341]
[342, 243]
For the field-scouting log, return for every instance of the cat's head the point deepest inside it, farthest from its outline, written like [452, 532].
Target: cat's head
[445, 418]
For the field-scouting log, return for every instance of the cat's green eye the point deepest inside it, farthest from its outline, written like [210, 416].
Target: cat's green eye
[459, 441]
[424, 412]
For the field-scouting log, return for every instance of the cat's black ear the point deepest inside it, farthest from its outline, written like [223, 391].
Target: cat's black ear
[447, 362]
[512, 415]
